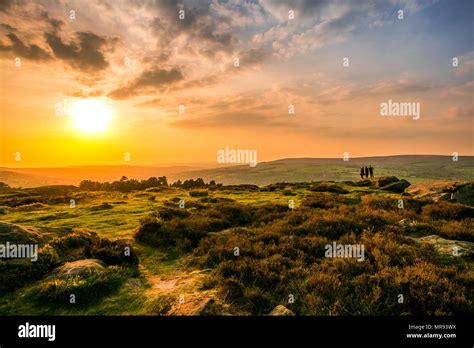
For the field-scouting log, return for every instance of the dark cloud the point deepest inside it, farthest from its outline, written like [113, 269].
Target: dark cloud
[85, 54]
[199, 25]
[87, 93]
[227, 120]
[5, 5]
[253, 56]
[200, 38]
[148, 80]
[56, 24]
[459, 112]
[7, 27]
[19, 49]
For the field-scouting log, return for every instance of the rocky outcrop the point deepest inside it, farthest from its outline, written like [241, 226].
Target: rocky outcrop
[436, 190]
[281, 311]
[28, 234]
[448, 246]
[79, 267]
[463, 193]
[387, 180]
[323, 187]
[362, 183]
[397, 186]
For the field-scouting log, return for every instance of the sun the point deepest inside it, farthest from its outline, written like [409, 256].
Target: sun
[90, 115]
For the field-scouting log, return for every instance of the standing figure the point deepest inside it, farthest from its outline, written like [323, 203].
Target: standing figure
[362, 172]
[371, 171]
[366, 171]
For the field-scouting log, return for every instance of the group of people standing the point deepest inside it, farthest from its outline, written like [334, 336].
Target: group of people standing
[367, 171]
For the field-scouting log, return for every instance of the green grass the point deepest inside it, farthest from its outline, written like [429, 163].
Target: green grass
[117, 216]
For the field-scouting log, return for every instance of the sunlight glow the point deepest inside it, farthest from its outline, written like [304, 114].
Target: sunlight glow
[90, 115]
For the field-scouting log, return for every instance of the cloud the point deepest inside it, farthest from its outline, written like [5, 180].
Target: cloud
[459, 112]
[301, 8]
[22, 50]
[156, 79]
[7, 27]
[5, 5]
[86, 53]
[148, 80]
[239, 13]
[318, 23]
[463, 90]
[56, 24]
[466, 64]
[235, 119]
[200, 29]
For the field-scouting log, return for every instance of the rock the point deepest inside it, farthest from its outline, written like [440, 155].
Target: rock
[387, 180]
[397, 187]
[133, 283]
[101, 206]
[404, 223]
[322, 187]
[207, 308]
[464, 193]
[361, 183]
[79, 267]
[29, 234]
[448, 246]
[281, 311]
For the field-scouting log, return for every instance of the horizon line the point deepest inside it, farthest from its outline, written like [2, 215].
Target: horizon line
[221, 166]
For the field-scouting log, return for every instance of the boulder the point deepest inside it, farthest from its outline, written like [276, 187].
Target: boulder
[323, 187]
[463, 193]
[387, 180]
[208, 307]
[444, 190]
[362, 183]
[396, 187]
[281, 311]
[79, 267]
[17, 234]
[404, 223]
[449, 247]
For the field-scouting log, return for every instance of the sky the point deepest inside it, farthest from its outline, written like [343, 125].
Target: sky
[177, 81]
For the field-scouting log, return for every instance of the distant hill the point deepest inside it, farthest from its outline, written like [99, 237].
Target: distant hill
[73, 175]
[414, 168]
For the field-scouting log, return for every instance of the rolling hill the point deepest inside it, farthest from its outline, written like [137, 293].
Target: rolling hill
[414, 168]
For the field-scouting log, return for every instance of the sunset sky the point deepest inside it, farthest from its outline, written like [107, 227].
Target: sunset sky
[137, 62]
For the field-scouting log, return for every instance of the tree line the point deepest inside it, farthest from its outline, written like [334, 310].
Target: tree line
[126, 185]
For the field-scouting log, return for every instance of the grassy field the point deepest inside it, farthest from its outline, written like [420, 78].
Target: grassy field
[415, 168]
[186, 263]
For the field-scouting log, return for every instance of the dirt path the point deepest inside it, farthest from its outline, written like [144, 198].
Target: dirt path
[186, 287]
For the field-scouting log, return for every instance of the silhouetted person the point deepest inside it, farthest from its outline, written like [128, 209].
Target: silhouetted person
[371, 171]
[366, 171]
[362, 172]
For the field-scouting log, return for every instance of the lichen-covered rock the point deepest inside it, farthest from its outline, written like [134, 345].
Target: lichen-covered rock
[79, 267]
[281, 311]
[387, 180]
[396, 187]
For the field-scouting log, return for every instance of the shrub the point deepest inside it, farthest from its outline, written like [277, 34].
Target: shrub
[198, 193]
[321, 187]
[87, 288]
[185, 228]
[443, 210]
